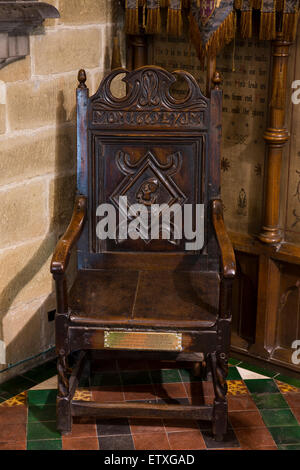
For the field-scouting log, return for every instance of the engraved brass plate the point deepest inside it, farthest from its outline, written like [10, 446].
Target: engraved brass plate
[143, 340]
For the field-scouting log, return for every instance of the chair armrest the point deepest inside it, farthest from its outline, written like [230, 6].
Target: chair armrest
[225, 245]
[63, 248]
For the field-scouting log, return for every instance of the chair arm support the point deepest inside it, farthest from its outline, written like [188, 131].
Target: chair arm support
[63, 248]
[225, 245]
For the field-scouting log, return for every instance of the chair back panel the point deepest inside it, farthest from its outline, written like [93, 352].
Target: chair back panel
[149, 148]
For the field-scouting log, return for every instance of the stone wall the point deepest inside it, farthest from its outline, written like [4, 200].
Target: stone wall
[37, 167]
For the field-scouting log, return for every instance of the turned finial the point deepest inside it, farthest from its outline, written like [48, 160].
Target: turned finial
[81, 78]
[216, 80]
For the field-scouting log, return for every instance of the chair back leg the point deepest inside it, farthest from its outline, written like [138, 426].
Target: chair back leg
[63, 402]
[219, 368]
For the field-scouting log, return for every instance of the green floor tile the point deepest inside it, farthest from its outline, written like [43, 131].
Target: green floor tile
[165, 376]
[233, 374]
[269, 401]
[39, 413]
[258, 370]
[281, 417]
[261, 386]
[188, 376]
[288, 380]
[289, 446]
[37, 431]
[41, 373]
[136, 377]
[286, 434]
[105, 379]
[51, 444]
[15, 386]
[41, 397]
[233, 362]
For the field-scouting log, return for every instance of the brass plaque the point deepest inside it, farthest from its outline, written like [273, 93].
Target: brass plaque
[143, 340]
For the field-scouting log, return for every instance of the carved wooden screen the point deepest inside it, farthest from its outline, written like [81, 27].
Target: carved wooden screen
[149, 147]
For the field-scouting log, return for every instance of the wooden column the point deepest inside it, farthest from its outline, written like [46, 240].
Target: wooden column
[276, 137]
[138, 54]
[210, 72]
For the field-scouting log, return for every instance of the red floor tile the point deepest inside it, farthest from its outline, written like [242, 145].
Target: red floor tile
[254, 438]
[293, 399]
[139, 392]
[80, 443]
[151, 441]
[13, 432]
[186, 440]
[13, 414]
[240, 403]
[296, 412]
[245, 419]
[107, 394]
[19, 445]
[138, 426]
[199, 388]
[83, 427]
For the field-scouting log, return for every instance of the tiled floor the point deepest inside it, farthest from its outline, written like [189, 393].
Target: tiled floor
[264, 409]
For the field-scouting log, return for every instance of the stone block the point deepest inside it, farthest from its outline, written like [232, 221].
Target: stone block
[36, 154]
[65, 50]
[22, 213]
[85, 11]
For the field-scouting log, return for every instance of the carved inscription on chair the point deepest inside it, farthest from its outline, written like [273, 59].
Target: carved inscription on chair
[149, 102]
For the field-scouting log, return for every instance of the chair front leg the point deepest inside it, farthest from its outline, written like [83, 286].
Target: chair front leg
[64, 418]
[219, 368]
[63, 409]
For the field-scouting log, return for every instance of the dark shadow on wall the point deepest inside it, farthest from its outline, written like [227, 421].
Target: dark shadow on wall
[37, 332]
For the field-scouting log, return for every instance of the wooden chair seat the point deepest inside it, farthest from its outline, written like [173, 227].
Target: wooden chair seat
[145, 298]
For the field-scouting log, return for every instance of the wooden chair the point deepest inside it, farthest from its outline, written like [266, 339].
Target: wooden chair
[137, 296]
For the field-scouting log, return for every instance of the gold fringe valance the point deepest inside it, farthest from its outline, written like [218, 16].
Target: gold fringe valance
[213, 23]
[275, 15]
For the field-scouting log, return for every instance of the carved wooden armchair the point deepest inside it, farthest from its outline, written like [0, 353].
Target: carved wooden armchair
[146, 295]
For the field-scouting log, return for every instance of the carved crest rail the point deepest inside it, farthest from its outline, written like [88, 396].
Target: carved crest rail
[149, 101]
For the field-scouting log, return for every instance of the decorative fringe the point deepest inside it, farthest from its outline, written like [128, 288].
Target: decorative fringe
[246, 24]
[132, 20]
[238, 4]
[164, 3]
[267, 27]
[174, 22]
[186, 3]
[230, 27]
[224, 34]
[289, 26]
[256, 4]
[279, 5]
[153, 25]
[142, 3]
